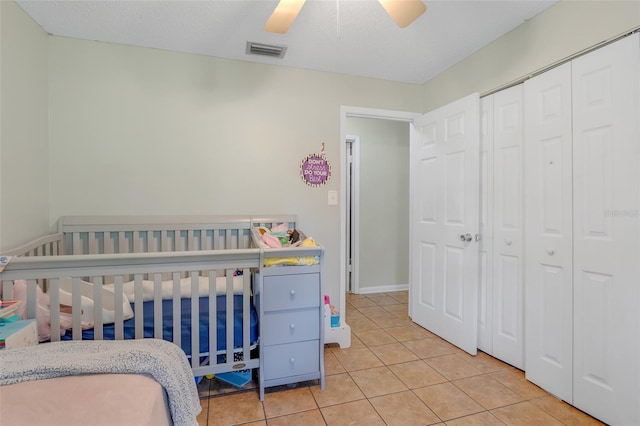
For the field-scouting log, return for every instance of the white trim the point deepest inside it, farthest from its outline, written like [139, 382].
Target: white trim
[384, 288]
[354, 204]
[350, 111]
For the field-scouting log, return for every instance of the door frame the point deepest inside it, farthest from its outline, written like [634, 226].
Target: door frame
[351, 111]
[352, 197]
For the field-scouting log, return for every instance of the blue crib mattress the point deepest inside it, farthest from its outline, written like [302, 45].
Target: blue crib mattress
[167, 324]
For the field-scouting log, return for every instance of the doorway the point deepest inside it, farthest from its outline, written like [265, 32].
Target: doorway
[350, 251]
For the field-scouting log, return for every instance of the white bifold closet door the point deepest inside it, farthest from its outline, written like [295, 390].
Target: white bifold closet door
[501, 314]
[582, 221]
[606, 231]
[549, 232]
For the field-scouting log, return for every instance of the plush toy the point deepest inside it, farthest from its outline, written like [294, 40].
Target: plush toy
[43, 314]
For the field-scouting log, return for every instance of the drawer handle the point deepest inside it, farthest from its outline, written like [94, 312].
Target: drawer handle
[550, 251]
[292, 360]
[292, 326]
[292, 292]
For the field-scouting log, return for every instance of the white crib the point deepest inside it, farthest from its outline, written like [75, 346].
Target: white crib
[154, 260]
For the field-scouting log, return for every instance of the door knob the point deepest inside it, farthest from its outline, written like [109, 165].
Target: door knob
[466, 237]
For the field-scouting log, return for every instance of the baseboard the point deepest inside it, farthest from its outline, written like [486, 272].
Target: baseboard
[383, 289]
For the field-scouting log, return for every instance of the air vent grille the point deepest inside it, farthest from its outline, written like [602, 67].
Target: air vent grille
[273, 50]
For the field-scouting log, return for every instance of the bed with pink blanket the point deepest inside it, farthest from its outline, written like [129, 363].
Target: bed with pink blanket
[144, 382]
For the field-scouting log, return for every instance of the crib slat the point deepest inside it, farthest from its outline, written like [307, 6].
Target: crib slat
[204, 240]
[137, 307]
[32, 295]
[76, 309]
[228, 238]
[195, 319]
[157, 305]
[122, 243]
[216, 239]
[246, 311]
[177, 338]
[137, 239]
[93, 244]
[108, 243]
[77, 247]
[151, 247]
[54, 308]
[244, 239]
[213, 315]
[229, 324]
[119, 313]
[97, 308]
[164, 241]
[191, 240]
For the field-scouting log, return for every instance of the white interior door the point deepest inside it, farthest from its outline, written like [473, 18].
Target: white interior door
[548, 232]
[507, 286]
[606, 155]
[445, 218]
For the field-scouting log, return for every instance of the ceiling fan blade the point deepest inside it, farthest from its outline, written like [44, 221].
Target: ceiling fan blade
[404, 12]
[283, 16]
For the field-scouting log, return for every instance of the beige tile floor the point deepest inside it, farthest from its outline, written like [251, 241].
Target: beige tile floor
[394, 373]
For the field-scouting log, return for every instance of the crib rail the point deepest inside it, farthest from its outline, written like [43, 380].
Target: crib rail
[153, 267]
[145, 234]
[49, 245]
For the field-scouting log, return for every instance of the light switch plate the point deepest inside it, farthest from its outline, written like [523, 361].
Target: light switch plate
[332, 198]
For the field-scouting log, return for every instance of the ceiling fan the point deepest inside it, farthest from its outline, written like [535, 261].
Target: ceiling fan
[403, 12]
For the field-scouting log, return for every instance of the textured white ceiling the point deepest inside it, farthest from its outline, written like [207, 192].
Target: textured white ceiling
[353, 37]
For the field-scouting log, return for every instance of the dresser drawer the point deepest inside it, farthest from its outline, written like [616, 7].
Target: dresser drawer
[291, 292]
[292, 359]
[290, 326]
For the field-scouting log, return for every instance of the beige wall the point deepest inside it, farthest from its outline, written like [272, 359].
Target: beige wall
[24, 127]
[564, 29]
[384, 202]
[144, 131]
[136, 130]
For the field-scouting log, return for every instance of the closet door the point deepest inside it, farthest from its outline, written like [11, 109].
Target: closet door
[548, 232]
[606, 158]
[508, 291]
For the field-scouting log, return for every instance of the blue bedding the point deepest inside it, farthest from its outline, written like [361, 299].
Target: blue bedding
[167, 324]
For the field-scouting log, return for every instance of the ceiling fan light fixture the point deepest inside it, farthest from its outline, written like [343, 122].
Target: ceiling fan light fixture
[283, 16]
[404, 12]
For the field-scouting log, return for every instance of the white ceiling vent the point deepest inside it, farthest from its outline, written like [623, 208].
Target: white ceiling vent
[273, 50]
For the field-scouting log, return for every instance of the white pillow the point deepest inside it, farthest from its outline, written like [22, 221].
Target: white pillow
[166, 288]
[87, 302]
